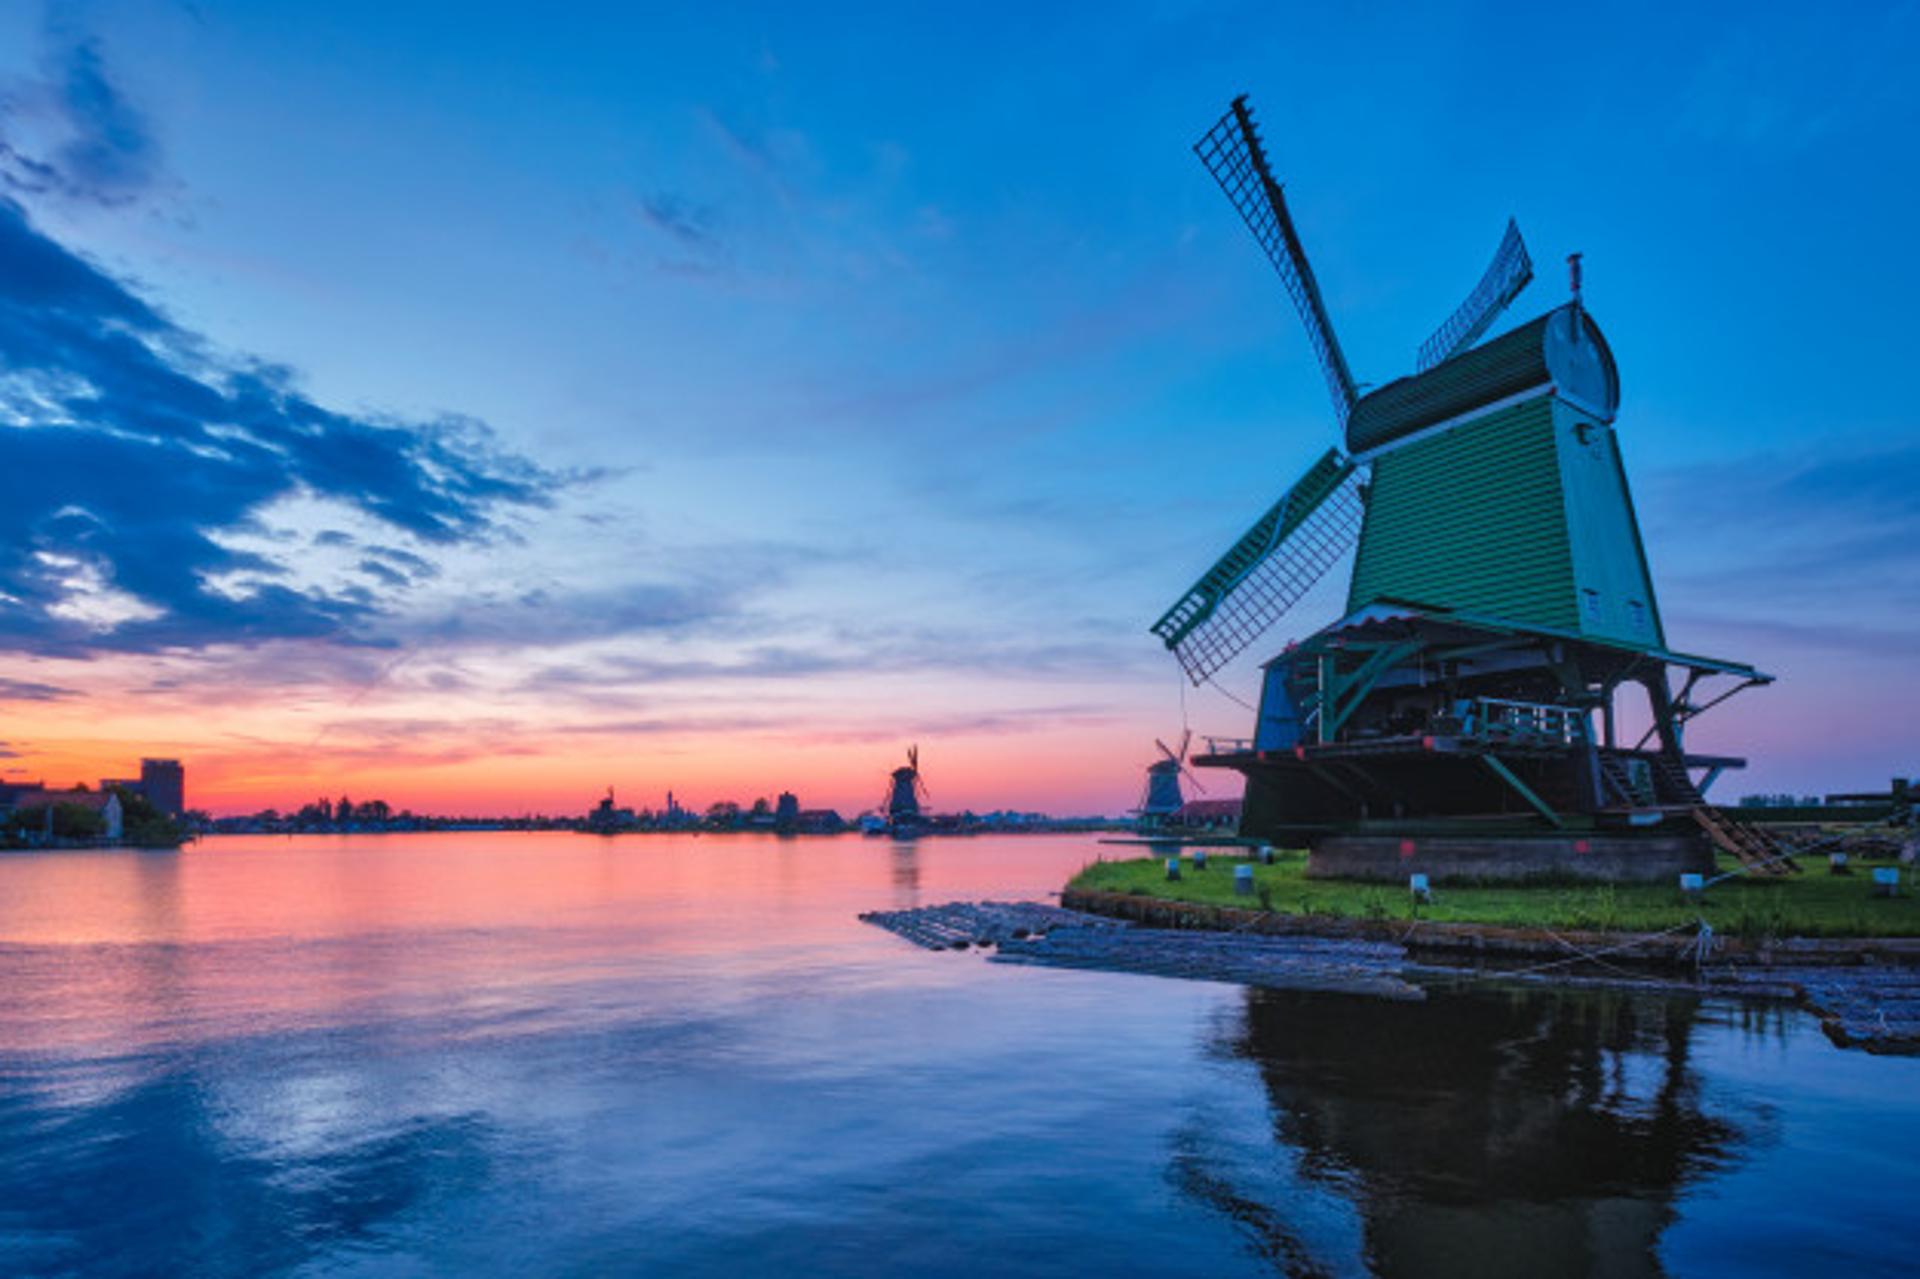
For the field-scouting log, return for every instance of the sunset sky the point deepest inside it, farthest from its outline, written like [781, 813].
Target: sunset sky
[482, 405]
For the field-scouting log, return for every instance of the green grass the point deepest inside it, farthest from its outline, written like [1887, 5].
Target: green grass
[1811, 904]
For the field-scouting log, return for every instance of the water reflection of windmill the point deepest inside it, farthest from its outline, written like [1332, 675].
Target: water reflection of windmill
[1499, 598]
[1162, 800]
[1544, 1133]
[906, 794]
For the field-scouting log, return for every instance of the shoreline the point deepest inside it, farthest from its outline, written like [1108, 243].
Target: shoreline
[1664, 950]
[1866, 998]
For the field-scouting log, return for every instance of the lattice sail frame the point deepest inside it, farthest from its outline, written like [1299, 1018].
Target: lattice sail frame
[1232, 153]
[1508, 273]
[1268, 570]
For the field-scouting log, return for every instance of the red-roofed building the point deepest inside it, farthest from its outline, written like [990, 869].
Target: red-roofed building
[105, 803]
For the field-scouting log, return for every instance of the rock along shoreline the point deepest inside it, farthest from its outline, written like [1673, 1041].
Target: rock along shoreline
[1864, 991]
[1455, 941]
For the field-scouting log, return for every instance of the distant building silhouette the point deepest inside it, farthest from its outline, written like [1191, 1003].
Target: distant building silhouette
[21, 795]
[35, 797]
[164, 783]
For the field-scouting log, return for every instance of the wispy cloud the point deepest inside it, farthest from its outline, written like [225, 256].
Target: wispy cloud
[130, 449]
[26, 690]
[693, 225]
[690, 231]
[863, 653]
[1826, 532]
[1003, 723]
[1849, 639]
[73, 133]
[1756, 91]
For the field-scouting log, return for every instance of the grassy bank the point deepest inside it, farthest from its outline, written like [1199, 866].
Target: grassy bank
[1812, 904]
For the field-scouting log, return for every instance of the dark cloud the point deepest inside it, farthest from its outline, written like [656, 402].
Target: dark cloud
[127, 451]
[668, 727]
[26, 690]
[1835, 532]
[111, 154]
[878, 652]
[692, 234]
[692, 225]
[380, 573]
[1892, 644]
[403, 563]
[709, 590]
[553, 617]
[90, 142]
[1022, 720]
[622, 668]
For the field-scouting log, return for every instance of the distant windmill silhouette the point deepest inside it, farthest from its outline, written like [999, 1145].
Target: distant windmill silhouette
[906, 792]
[1162, 797]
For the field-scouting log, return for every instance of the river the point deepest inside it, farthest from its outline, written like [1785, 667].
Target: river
[557, 1054]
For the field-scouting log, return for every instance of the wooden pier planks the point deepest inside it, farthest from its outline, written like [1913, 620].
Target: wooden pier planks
[1030, 933]
[1283, 963]
[1875, 1007]
[958, 925]
[1873, 1004]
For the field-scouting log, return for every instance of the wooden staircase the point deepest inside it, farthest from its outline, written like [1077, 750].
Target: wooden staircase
[1621, 786]
[1754, 848]
[1672, 789]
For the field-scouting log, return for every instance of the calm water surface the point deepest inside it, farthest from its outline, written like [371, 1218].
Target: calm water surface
[505, 1054]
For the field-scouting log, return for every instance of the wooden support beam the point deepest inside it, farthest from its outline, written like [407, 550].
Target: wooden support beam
[1524, 791]
[1353, 689]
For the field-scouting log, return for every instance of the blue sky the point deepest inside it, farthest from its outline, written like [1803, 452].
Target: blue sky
[805, 378]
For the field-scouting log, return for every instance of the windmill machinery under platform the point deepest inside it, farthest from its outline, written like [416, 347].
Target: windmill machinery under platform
[1163, 799]
[1499, 597]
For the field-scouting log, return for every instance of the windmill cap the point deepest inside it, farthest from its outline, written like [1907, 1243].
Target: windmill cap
[1562, 351]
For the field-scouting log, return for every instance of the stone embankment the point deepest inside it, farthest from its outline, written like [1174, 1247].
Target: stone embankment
[1673, 948]
[1865, 993]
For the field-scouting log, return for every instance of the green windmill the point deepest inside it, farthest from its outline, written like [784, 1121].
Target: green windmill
[1465, 716]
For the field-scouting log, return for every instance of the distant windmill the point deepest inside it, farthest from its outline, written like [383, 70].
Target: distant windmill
[906, 791]
[1162, 797]
[1499, 599]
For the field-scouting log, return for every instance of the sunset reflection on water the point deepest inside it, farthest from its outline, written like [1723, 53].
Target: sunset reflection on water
[553, 1053]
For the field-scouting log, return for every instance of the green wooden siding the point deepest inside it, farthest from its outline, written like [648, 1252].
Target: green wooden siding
[1608, 559]
[1473, 519]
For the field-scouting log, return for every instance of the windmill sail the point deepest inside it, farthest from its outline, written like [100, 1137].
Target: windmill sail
[1267, 571]
[1505, 276]
[1232, 153]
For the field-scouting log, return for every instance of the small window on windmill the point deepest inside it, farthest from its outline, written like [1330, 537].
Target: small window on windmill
[1590, 603]
[1590, 436]
[1637, 614]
